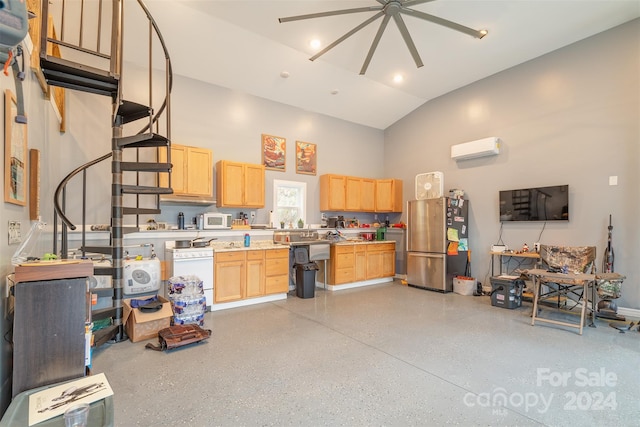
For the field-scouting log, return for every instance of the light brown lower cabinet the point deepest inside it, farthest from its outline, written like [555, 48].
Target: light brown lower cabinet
[250, 273]
[361, 261]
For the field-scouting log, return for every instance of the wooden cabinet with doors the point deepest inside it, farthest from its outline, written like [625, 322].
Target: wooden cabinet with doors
[241, 274]
[357, 262]
[388, 195]
[332, 192]
[360, 194]
[380, 260]
[230, 276]
[192, 172]
[239, 185]
[276, 271]
[255, 274]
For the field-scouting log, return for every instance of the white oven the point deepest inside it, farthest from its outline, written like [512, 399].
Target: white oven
[191, 261]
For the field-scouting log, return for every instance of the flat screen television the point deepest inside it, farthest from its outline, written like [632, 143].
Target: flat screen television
[535, 204]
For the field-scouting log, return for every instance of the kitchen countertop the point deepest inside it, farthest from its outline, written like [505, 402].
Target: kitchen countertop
[360, 242]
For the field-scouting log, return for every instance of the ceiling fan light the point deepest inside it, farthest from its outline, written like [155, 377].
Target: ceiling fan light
[398, 78]
[315, 44]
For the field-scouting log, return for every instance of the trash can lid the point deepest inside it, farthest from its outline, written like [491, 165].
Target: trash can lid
[308, 266]
[301, 255]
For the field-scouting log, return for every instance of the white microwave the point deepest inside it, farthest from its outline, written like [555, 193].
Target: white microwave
[213, 220]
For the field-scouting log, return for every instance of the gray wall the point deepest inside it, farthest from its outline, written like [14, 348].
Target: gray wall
[569, 117]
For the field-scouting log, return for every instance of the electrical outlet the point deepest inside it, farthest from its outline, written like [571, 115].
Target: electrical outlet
[14, 232]
[253, 214]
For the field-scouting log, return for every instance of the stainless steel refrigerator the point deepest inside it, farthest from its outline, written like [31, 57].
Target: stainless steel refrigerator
[437, 242]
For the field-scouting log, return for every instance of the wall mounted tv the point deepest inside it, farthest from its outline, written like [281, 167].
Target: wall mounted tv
[535, 204]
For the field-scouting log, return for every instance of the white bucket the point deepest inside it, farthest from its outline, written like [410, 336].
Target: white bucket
[464, 285]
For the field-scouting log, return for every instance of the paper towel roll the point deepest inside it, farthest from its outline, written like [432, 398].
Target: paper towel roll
[271, 222]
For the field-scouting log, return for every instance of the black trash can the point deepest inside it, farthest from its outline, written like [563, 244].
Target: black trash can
[306, 280]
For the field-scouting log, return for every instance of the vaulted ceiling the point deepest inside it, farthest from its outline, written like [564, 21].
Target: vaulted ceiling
[240, 44]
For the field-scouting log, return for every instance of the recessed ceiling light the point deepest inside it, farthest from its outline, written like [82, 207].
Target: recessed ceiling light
[335, 92]
[284, 74]
[398, 78]
[315, 44]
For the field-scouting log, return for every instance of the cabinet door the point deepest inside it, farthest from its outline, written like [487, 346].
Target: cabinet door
[368, 195]
[199, 172]
[384, 189]
[353, 193]
[374, 264]
[255, 274]
[229, 185]
[360, 254]
[229, 279]
[388, 263]
[254, 186]
[332, 192]
[178, 170]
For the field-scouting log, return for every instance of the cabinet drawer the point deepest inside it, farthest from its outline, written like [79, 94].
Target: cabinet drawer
[380, 247]
[276, 253]
[277, 284]
[344, 275]
[360, 248]
[277, 266]
[343, 249]
[229, 256]
[255, 255]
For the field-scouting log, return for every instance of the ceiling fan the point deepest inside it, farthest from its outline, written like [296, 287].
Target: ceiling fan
[388, 9]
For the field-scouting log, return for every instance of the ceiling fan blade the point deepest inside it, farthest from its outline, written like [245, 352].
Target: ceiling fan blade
[408, 40]
[415, 2]
[444, 22]
[374, 44]
[347, 35]
[331, 13]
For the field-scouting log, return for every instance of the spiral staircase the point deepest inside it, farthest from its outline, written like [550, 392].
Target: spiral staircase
[87, 65]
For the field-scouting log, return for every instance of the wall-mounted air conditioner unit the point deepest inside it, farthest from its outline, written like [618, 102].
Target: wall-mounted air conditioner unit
[480, 148]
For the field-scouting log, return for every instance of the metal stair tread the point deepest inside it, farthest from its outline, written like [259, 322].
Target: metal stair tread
[143, 140]
[141, 189]
[71, 75]
[130, 210]
[145, 167]
[131, 111]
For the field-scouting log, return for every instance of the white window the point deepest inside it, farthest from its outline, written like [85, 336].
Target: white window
[289, 202]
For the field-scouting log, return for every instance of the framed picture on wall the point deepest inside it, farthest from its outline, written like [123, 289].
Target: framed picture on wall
[15, 153]
[274, 150]
[306, 155]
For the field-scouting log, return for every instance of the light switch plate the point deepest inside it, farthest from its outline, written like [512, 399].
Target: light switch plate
[14, 232]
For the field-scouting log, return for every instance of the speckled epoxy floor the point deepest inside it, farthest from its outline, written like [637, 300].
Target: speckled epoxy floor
[381, 355]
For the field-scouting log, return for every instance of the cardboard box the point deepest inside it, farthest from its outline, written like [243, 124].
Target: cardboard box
[142, 326]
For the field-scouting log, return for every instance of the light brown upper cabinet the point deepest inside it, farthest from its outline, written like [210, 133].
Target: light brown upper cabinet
[239, 185]
[192, 172]
[388, 195]
[354, 194]
[332, 192]
[360, 194]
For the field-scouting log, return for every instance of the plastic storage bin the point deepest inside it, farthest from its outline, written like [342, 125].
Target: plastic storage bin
[506, 292]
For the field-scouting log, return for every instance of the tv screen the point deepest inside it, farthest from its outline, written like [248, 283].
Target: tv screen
[535, 204]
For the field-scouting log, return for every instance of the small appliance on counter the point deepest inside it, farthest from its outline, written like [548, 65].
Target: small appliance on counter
[215, 220]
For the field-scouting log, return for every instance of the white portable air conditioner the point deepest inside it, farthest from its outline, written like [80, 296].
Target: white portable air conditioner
[429, 185]
[480, 148]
